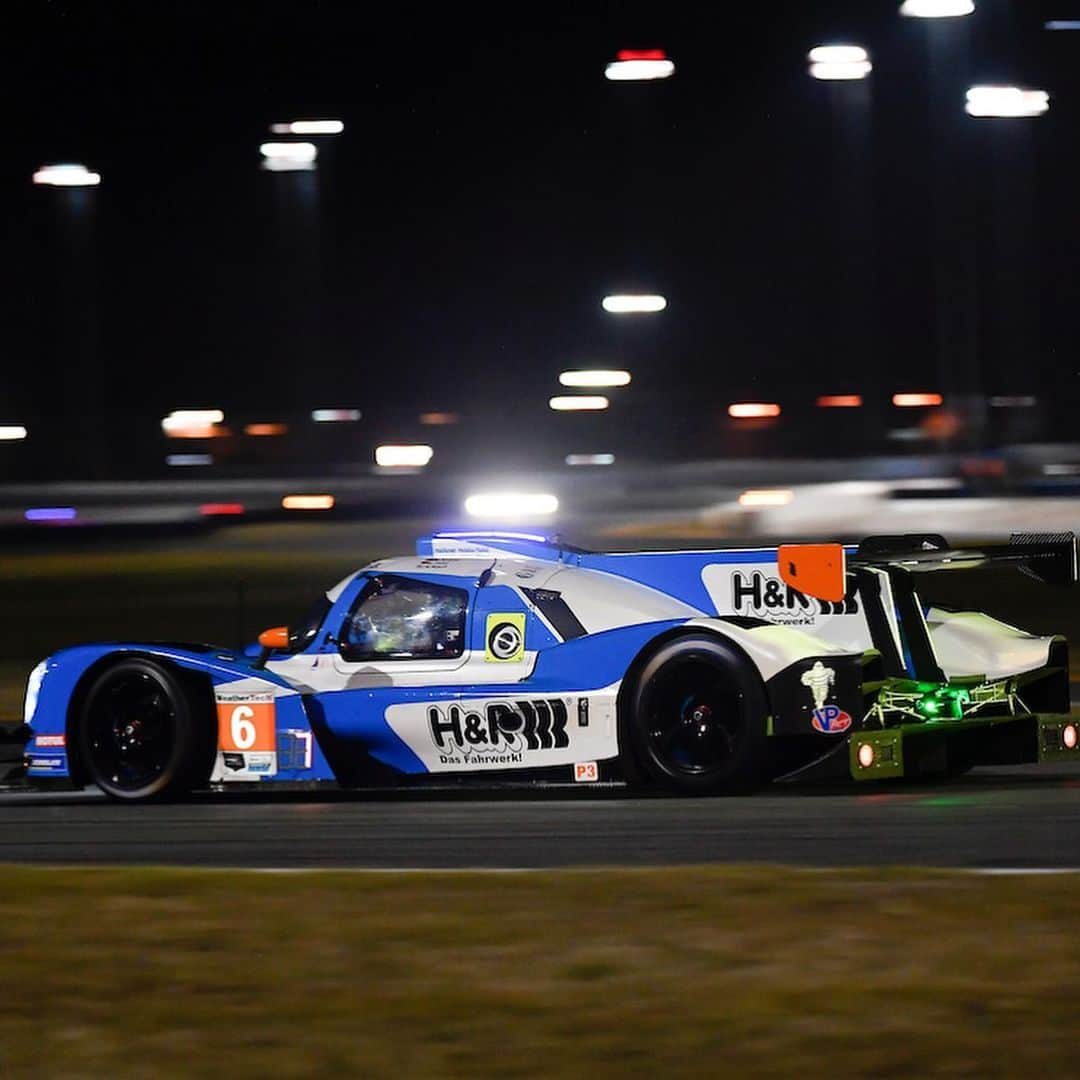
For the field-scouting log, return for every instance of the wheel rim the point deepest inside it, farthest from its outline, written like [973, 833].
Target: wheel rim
[130, 731]
[695, 720]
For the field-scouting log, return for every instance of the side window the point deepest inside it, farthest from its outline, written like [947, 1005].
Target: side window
[397, 618]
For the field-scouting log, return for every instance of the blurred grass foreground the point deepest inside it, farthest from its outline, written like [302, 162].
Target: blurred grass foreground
[765, 972]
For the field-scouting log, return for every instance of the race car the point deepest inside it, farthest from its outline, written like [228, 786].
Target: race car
[500, 656]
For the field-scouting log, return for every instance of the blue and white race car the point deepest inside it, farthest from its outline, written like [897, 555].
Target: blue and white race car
[501, 655]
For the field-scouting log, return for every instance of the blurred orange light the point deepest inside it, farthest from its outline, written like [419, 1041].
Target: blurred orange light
[439, 419]
[743, 410]
[221, 509]
[308, 502]
[839, 401]
[908, 401]
[266, 429]
[766, 497]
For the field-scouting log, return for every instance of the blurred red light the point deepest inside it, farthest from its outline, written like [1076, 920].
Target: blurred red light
[641, 54]
[839, 401]
[266, 429]
[908, 401]
[220, 509]
[745, 410]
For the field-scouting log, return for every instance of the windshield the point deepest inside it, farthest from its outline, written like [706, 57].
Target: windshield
[302, 633]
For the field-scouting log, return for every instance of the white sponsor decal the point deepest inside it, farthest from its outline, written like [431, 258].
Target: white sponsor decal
[50, 740]
[513, 732]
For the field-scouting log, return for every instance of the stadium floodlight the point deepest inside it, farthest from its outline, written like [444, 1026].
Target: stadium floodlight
[937, 9]
[916, 401]
[579, 403]
[839, 62]
[590, 459]
[12, 432]
[633, 303]
[753, 410]
[288, 156]
[595, 377]
[639, 65]
[403, 457]
[1006, 102]
[510, 505]
[308, 127]
[66, 176]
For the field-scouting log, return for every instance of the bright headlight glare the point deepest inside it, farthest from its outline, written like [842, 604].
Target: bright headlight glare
[33, 688]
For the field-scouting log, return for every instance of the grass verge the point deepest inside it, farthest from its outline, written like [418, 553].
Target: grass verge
[738, 971]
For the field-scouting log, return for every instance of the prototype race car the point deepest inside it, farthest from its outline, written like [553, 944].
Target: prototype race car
[504, 655]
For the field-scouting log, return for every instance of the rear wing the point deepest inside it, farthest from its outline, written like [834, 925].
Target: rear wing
[1047, 557]
[821, 570]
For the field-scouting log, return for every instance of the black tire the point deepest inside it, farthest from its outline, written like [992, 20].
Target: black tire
[695, 720]
[139, 734]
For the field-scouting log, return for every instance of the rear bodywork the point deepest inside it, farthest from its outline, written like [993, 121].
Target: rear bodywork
[552, 636]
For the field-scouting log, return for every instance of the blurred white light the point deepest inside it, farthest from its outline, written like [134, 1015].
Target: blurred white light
[12, 433]
[626, 303]
[1013, 401]
[1006, 101]
[390, 457]
[1063, 24]
[595, 377]
[838, 54]
[334, 416]
[67, 176]
[581, 403]
[308, 502]
[841, 72]
[936, 9]
[189, 459]
[915, 401]
[309, 127]
[289, 151]
[590, 459]
[191, 423]
[866, 755]
[766, 497]
[639, 70]
[510, 505]
[288, 157]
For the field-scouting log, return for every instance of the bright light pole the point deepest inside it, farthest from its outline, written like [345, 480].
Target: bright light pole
[844, 70]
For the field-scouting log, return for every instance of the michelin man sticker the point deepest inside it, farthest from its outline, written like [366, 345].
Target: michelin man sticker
[504, 640]
[828, 719]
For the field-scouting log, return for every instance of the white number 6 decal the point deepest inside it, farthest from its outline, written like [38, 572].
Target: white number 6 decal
[241, 727]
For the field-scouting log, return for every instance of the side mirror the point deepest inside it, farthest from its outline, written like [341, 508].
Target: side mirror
[277, 637]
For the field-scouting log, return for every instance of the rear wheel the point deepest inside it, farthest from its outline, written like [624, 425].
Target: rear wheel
[695, 721]
[138, 734]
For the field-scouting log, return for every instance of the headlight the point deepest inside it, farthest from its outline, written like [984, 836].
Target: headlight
[33, 687]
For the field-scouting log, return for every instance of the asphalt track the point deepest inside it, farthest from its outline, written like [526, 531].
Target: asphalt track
[1003, 818]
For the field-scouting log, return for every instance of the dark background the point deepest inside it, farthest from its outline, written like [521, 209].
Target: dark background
[452, 248]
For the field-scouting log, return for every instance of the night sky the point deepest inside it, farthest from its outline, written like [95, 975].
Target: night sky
[453, 246]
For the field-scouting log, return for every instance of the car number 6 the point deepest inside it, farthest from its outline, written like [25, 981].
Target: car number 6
[242, 728]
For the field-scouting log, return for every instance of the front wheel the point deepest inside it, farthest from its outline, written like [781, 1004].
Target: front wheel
[138, 734]
[695, 721]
